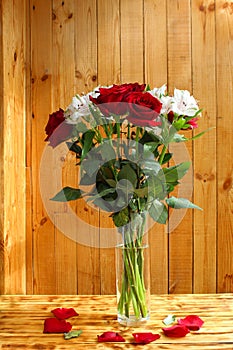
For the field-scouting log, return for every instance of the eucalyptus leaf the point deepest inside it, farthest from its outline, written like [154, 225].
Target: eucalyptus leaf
[176, 172]
[72, 334]
[128, 173]
[158, 212]
[121, 218]
[67, 194]
[87, 140]
[169, 320]
[178, 203]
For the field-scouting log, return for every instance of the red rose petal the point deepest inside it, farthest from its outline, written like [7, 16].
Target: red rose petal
[176, 331]
[62, 313]
[145, 338]
[53, 325]
[110, 337]
[192, 322]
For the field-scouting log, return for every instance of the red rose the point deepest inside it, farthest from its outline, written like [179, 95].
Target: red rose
[144, 109]
[115, 94]
[63, 130]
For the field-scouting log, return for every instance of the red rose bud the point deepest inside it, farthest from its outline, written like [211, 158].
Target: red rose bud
[192, 322]
[145, 338]
[110, 337]
[53, 325]
[63, 313]
[57, 129]
[176, 331]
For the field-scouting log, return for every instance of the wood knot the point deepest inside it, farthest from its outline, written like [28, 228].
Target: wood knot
[70, 16]
[44, 77]
[204, 177]
[227, 184]
[94, 77]
[211, 7]
[78, 74]
[202, 8]
[43, 221]
[15, 56]
[54, 16]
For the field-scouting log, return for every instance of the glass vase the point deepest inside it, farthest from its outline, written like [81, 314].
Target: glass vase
[133, 273]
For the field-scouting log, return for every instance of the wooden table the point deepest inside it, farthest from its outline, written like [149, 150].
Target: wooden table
[22, 319]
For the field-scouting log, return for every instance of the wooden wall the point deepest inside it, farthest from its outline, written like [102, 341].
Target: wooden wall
[52, 49]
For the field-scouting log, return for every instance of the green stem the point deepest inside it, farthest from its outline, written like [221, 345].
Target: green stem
[162, 154]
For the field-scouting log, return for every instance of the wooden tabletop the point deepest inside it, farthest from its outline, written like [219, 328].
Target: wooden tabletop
[22, 321]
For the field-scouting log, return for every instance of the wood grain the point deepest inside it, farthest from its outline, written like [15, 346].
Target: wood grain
[88, 265]
[224, 51]
[180, 77]
[22, 319]
[51, 50]
[13, 175]
[156, 76]
[204, 87]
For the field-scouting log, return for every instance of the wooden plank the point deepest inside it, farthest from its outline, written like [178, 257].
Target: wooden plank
[224, 64]
[62, 92]
[204, 87]
[13, 234]
[132, 46]
[2, 263]
[179, 76]
[108, 74]
[44, 278]
[108, 42]
[156, 76]
[97, 315]
[88, 268]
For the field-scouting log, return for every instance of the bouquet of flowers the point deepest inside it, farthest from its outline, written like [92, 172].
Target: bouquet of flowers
[120, 135]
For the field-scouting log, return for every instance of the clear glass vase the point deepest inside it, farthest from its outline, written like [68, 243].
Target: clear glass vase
[133, 273]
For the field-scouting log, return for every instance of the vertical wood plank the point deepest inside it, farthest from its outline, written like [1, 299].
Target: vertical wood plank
[44, 279]
[2, 217]
[62, 93]
[132, 46]
[88, 266]
[204, 89]
[179, 76]
[155, 19]
[13, 176]
[108, 73]
[224, 54]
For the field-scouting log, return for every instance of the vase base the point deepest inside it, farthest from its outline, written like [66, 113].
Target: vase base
[132, 321]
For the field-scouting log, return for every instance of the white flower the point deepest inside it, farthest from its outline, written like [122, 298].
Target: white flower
[183, 103]
[78, 108]
[167, 102]
[159, 92]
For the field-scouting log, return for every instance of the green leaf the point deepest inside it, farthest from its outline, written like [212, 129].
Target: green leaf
[178, 203]
[74, 147]
[90, 166]
[87, 140]
[200, 134]
[128, 173]
[72, 334]
[174, 173]
[121, 218]
[101, 194]
[158, 212]
[169, 320]
[67, 194]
